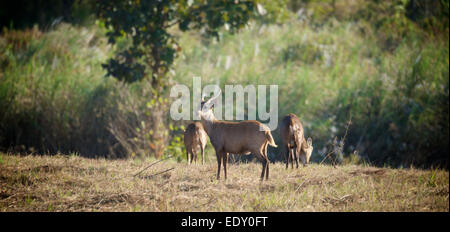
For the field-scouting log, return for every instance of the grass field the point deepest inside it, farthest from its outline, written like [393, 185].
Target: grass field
[73, 183]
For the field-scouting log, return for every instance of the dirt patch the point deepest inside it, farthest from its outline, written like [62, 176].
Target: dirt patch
[76, 183]
[164, 176]
[113, 199]
[4, 195]
[267, 188]
[441, 192]
[90, 170]
[369, 172]
[297, 176]
[46, 169]
[17, 178]
[58, 168]
[318, 180]
[338, 200]
[233, 186]
[188, 187]
[21, 197]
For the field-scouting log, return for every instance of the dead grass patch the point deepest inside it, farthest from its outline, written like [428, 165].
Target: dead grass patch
[59, 183]
[368, 171]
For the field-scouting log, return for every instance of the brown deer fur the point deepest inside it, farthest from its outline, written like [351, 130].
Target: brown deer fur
[292, 135]
[194, 138]
[244, 137]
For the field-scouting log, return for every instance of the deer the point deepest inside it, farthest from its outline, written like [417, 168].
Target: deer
[194, 138]
[245, 137]
[292, 135]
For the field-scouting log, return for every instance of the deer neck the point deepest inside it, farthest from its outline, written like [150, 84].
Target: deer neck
[208, 124]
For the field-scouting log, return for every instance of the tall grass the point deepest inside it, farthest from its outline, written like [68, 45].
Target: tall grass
[397, 100]
[54, 96]
[50, 87]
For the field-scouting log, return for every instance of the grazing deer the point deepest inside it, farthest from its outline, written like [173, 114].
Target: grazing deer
[244, 137]
[195, 137]
[307, 149]
[292, 135]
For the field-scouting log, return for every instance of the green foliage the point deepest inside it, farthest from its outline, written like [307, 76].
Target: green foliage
[303, 53]
[147, 24]
[22, 14]
[272, 11]
[353, 158]
[397, 97]
[432, 179]
[432, 16]
[385, 15]
[138, 124]
[54, 97]
[176, 147]
[49, 89]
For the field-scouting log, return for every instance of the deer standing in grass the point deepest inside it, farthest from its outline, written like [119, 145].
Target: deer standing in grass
[243, 137]
[194, 138]
[292, 135]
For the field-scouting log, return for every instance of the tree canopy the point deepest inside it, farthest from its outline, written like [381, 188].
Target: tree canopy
[147, 24]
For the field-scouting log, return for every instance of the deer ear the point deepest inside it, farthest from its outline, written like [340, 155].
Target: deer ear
[206, 105]
[212, 101]
[309, 141]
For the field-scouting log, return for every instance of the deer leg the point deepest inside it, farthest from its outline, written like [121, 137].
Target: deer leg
[263, 159]
[265, 149]
[264, 167]
[187, 155]
[225, 161]
[203, 154]
[286, 155]
[219, 160]
[191, 157]
[268, 162]
[194, 156]
[303, 158]
[291, 155]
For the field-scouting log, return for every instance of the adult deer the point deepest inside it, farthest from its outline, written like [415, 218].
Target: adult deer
[292, 135]
[243, 137]
[194, 138]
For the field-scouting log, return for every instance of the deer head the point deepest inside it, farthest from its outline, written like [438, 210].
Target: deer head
[206, 107]
[308, 150]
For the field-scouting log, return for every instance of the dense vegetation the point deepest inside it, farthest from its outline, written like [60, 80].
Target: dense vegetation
[384, 66]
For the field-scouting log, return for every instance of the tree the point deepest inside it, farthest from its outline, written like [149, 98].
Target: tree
[146, 23]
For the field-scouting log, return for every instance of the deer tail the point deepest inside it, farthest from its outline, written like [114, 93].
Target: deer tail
[270, 139]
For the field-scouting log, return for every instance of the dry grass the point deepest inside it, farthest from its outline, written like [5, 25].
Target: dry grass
[72, 183]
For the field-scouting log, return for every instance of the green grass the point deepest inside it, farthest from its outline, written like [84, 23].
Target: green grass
[71, 183]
